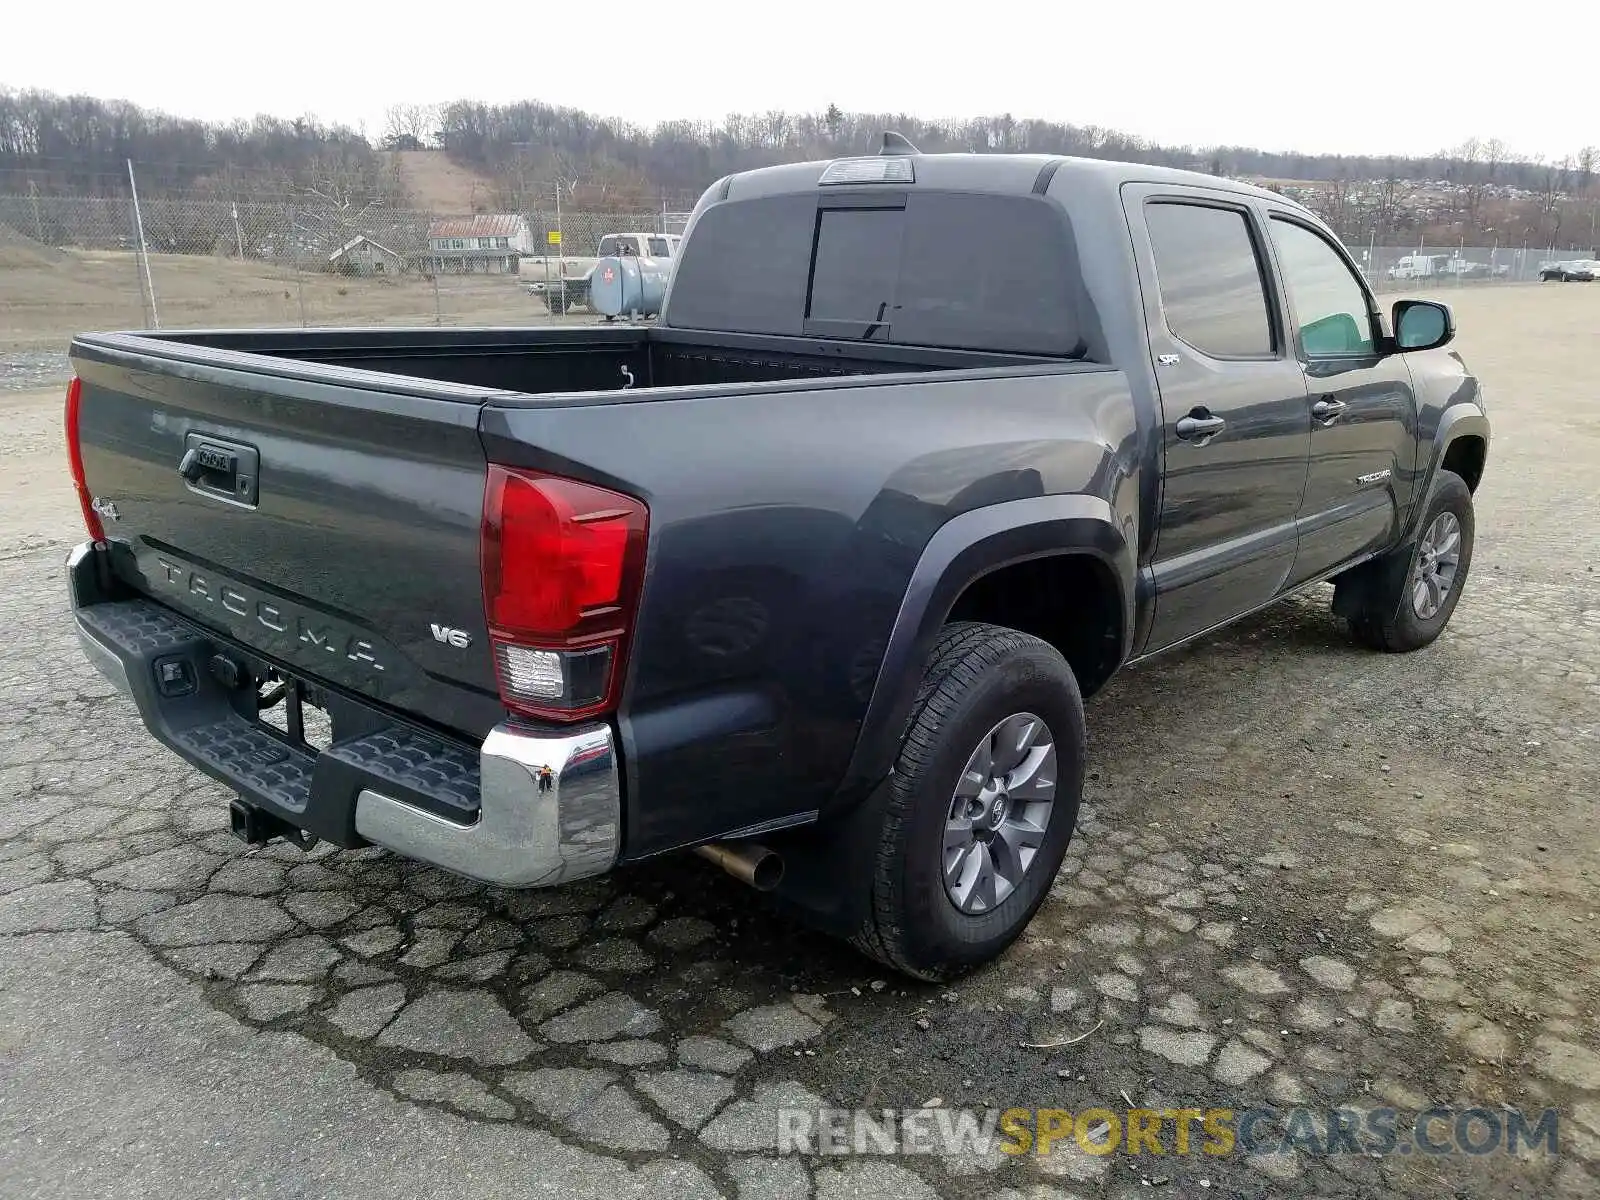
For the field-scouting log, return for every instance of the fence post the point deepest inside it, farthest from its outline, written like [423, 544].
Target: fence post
[144, 251]
[294, 258]
[38, 225]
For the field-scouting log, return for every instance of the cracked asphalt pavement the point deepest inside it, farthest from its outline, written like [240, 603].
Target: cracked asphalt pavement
[1305, 875]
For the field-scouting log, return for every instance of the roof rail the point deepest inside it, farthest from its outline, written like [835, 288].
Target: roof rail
[895, 143]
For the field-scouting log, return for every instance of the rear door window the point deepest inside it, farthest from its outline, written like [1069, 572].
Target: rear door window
[1208, 272]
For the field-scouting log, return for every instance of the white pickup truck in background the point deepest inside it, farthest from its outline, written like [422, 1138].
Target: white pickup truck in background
[563, 281]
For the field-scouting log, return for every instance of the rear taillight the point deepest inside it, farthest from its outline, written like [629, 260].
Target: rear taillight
[563, 563]
[91, 519]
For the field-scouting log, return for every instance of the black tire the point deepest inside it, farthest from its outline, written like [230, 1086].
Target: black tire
[555, 302]
[977, 676]
[1385, 617]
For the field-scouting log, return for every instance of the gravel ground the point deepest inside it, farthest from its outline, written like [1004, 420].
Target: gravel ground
[1306, 875]
[25, 370]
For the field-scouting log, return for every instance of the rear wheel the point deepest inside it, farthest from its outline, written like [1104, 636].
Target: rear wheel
[1408, 596]
[982, 803]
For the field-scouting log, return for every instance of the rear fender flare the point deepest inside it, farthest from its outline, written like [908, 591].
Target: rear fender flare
[964, 549]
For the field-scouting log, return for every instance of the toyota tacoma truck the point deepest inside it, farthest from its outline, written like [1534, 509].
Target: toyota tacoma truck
[812, 576]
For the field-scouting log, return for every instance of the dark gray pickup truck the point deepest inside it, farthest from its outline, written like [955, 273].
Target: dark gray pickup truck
[812, 575]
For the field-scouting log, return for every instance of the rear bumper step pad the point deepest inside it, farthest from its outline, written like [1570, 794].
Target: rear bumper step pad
[526, 809]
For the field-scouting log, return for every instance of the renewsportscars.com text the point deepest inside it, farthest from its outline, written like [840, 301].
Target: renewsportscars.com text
[1180, 1131]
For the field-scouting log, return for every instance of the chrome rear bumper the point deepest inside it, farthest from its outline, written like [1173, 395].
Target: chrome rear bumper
[549, 802]
[550, 810]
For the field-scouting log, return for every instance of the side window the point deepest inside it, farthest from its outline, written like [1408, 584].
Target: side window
[1209, 278]
[1329, 304]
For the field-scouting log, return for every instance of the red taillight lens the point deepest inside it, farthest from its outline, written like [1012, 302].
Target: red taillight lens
[91, 519]
[563, 562]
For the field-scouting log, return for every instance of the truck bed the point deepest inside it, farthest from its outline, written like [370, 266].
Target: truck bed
[557, 360]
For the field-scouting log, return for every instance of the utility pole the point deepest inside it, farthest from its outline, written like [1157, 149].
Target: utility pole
[561, 250]
[144, 250]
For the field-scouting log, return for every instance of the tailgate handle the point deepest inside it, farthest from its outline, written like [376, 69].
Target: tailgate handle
[224, 470]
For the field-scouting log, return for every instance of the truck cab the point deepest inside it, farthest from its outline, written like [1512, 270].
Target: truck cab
[639, 245]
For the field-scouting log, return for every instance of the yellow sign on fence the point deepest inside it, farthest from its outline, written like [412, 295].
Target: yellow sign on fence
[554, 237]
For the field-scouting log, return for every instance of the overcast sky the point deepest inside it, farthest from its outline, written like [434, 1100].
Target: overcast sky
[1402, 78]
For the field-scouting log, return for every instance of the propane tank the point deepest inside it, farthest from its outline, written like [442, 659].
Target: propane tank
[627, 285]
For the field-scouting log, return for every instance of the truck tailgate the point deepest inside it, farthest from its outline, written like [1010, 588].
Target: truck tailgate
[326, 519]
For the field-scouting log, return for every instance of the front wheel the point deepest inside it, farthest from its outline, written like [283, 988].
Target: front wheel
[1409, 595]
[982, 803]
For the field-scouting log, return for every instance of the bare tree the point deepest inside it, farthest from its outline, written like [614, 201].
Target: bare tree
[1494, 154]
[410, 126]
[1387, 204]
[1588, 160]
[1553, 181]
[1470, 180]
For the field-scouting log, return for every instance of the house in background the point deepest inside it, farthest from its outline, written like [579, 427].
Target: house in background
[361, 255]
[490, 243]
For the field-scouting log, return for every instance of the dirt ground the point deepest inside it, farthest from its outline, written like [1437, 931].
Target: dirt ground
[46, 296]
[436, 184]
[1305, 875]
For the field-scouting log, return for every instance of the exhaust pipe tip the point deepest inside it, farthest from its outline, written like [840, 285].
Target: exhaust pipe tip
[747, 862]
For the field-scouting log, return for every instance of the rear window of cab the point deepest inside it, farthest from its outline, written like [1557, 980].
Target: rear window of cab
[919, 268]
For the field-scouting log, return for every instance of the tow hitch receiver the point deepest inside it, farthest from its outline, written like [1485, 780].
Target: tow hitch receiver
[257, 827]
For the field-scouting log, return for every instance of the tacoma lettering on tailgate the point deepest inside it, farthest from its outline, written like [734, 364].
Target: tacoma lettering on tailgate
[307, 631]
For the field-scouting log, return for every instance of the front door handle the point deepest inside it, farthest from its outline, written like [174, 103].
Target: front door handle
[1199, 426]
[1328, 410]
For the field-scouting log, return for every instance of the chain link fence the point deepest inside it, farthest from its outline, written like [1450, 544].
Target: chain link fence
[1392, 268]
[69, 264]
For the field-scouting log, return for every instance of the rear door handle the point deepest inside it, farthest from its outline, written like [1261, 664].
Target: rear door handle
[1199, 426]
[1328, 410]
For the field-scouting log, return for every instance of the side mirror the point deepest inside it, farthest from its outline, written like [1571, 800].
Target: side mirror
[1422, 325]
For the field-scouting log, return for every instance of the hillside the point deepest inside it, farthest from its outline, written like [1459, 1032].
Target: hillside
[435, 182]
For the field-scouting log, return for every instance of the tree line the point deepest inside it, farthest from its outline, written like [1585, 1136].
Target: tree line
[688, 155]
[81, 145]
